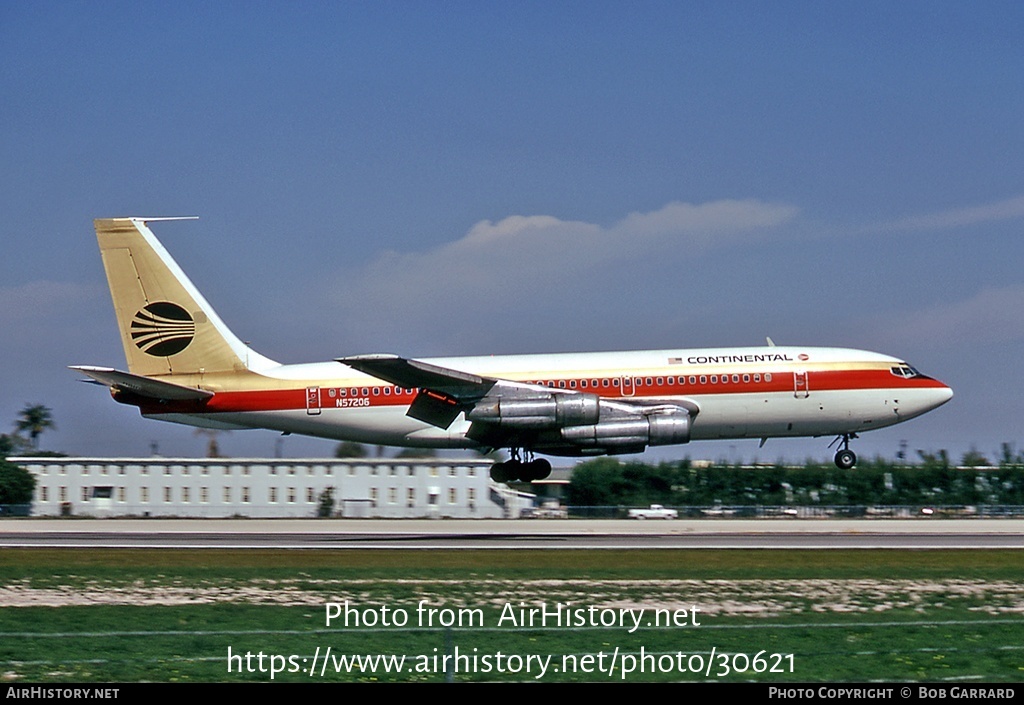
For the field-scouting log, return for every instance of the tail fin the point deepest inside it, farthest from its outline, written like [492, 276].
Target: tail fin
[167, 327]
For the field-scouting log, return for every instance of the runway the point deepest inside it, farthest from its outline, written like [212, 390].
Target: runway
[512, 535]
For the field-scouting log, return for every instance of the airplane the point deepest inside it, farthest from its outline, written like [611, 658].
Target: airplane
[186, 366]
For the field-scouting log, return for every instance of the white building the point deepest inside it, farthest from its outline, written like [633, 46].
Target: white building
[264, 488]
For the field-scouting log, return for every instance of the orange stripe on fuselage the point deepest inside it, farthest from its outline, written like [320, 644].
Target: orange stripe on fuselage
[331, 397]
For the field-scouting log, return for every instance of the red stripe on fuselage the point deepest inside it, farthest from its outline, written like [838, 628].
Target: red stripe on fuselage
[354, 398]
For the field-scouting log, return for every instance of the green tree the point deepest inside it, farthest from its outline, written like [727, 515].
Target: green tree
[16, 484]
[416, 453]
[973, 458]
[35, 418]
[350, 449]
[12, 444]
[325, 505]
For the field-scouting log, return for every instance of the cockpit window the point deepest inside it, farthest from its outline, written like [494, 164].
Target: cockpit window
[904, 370]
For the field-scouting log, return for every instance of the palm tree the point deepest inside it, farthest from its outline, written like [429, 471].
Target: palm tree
[35, 419]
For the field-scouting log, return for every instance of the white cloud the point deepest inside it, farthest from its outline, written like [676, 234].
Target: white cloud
[990, 316]
[529, 263]
[958, 217]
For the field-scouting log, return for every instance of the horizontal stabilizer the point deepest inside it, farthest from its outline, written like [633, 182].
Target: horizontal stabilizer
[142, 386]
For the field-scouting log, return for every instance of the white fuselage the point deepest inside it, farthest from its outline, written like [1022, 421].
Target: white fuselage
[736, 393]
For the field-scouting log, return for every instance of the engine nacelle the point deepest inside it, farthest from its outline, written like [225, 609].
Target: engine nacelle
[545, 412]
[653, 430]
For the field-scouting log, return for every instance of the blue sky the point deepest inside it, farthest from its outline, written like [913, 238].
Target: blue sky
[475, 178]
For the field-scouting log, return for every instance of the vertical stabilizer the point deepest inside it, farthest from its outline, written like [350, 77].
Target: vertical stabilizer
[166, 325]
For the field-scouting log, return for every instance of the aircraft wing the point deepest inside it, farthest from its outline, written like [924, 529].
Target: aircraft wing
[142, 386]
[413, 374]
[444, 392]
[506, 412]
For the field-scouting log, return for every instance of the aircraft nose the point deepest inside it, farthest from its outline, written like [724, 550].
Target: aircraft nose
[939, 396]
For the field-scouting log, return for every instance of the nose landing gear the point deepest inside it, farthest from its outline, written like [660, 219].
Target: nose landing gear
[845, 458]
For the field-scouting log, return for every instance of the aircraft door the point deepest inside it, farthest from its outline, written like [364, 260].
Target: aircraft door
[312, 400]
[801, 384]
[627, 387]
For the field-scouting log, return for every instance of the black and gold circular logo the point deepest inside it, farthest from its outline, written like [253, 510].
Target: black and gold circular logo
[162, 329]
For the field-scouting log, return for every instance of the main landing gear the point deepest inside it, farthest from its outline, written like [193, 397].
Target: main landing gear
[517, 469]
[845, 458]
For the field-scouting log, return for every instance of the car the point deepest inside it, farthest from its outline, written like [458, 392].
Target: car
[655, 511]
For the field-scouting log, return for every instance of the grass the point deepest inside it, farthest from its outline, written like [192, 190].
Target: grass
[172, 615]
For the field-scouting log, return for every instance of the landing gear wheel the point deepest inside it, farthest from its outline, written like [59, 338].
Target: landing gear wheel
[535, 470]
[500, 472]
[518, 469]
[846, 459]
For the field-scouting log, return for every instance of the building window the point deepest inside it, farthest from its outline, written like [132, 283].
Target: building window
[43, 494]
[204, 495]
[227, 495]
[291, 495]
[392, 495]
[273, 494]
[120, 494]
[451, 495]
[167, 494]
[310, 495]
[184, 494]
[63, 494]
[144, 494]
[245, 495]
[373, 497]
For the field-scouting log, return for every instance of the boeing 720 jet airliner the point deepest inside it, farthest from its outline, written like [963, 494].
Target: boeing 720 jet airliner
[186, 366]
